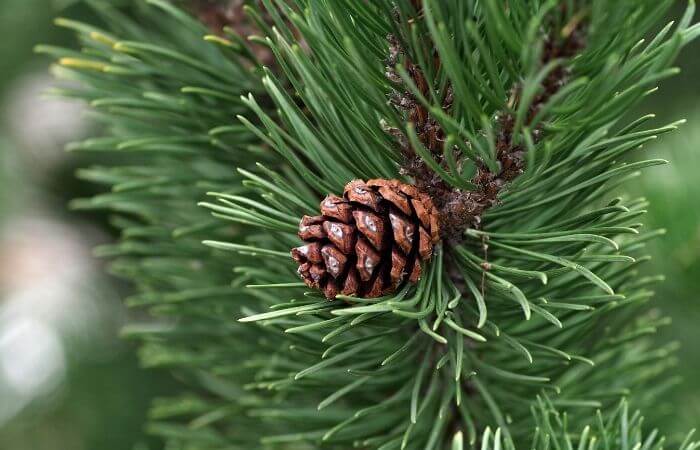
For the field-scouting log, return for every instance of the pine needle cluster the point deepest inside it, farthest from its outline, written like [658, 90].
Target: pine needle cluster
[528, 328]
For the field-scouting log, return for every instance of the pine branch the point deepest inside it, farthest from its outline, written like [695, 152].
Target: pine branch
[459, 208]
[556, 308]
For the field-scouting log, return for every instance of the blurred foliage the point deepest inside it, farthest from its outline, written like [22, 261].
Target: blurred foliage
[104, 400]
[674, 193]
[24, 24]
[101, 406]
[27, 22]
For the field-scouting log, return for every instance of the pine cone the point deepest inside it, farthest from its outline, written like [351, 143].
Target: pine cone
[368, 242]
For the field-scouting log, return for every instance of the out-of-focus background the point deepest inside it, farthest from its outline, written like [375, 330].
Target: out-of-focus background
[66, 379]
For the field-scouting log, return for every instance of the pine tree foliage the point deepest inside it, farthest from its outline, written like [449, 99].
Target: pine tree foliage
[529, 324]
[621, 431]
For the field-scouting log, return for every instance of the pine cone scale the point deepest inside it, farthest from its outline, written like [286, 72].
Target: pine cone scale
[371, 226]
[335, 207]
[403, 231]
[341, 235]
[334, 260]
[368, 242]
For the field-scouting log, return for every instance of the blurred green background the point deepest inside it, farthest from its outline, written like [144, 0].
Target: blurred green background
[68, 382]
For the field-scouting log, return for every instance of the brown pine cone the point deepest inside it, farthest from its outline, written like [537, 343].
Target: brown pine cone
[368, 242]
